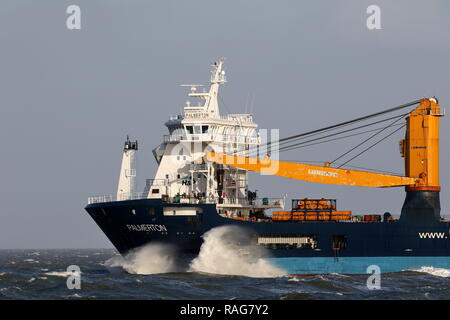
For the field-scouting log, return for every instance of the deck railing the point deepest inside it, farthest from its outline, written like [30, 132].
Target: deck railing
[122, 197]
[269, 202]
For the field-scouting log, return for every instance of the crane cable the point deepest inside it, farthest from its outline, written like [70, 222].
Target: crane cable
[301, 144]
[292, 146]
[406, 105]
[372, 136]
[373, 145]
[329, 140]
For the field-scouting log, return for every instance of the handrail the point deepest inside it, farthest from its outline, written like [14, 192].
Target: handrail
[188, 200]
[122, 197]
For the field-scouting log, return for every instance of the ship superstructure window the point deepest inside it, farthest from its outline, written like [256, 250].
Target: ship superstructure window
[197, 129]
[155, 191]
[190, 129]
[289, 242]
[205, 129]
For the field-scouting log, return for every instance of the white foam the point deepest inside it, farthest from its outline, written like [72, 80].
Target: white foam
[61, 273]
[227, 250]
[340, 275]
[438, 272]
[150, 259]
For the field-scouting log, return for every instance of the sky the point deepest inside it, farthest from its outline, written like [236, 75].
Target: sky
[68, 98]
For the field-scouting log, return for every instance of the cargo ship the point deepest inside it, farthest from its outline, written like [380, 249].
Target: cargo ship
[202, 183]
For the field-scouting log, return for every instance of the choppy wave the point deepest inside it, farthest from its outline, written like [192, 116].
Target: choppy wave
[60, 273]
[438, 272]
[31, 261]
[227, 250]
[150, 259]
[26, 280]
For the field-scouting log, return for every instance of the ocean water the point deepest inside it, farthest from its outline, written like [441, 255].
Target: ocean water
[154, 274]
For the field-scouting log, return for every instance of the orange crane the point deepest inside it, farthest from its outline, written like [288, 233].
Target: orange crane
[420, 148]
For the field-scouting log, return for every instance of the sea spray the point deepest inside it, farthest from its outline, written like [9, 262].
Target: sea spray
[438, 272]
[228, 250]
[149, 259]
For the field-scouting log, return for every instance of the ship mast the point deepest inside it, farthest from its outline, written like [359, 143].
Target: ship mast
[211, 105]
[127, 178]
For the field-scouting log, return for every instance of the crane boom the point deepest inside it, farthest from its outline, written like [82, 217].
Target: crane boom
[420, 148]
[312, 173]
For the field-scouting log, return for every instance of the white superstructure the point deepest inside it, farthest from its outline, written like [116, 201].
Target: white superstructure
[183, 174]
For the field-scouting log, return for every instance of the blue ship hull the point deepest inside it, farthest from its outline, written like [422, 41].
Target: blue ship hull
[356, 265]
[419, 238]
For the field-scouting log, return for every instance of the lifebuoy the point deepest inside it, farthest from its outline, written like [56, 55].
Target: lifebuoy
[253, 219]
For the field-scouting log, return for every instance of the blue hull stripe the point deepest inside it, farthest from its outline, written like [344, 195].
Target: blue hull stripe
[356, 265]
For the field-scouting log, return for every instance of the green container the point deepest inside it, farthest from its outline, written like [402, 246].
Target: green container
[176, 199]
[265, 201]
